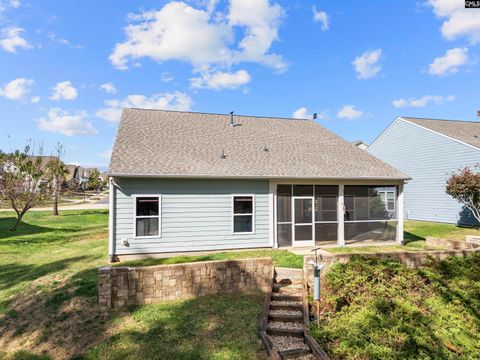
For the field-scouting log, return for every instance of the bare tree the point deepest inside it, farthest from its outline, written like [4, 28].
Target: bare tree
[23, 183]
[56, 172]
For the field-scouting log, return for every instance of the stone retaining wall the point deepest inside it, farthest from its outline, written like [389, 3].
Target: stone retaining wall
[450, 244]
[411, 259]
[121, 286]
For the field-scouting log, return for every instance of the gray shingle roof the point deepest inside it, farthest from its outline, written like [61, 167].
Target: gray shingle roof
[466, 131]
[171, 143]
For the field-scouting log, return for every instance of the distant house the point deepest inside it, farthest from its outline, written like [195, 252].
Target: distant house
[182, 181]
[429, 150]
[360, 144]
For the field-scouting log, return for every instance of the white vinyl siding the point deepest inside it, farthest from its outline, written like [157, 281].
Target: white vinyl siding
[429, 158]
[196, 215]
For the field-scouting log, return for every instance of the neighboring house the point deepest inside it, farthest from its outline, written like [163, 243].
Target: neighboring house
[430, 150]
[360, 144]
[182, 181]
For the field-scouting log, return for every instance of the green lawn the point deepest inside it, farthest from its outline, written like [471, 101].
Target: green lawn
[415, 233]
[281, 258]
[48, 280]
[379, 309]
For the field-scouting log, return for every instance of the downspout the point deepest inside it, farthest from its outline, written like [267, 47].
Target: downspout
[111, 219]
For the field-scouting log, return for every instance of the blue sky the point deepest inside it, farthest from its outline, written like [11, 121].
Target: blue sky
[66, 70]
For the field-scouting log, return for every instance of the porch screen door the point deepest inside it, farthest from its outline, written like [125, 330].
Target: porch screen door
[303, 221]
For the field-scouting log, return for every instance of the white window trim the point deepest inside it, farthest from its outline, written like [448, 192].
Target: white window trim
[252, 214]
[135, 217]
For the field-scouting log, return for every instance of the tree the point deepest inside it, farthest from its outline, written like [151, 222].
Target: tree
[23, 183]
[464, 186]
[56, 172]
[94, 182]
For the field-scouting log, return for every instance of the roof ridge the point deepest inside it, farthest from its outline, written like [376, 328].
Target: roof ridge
[225, 114]
[434, 119]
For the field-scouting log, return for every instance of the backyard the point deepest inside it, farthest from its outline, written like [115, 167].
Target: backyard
[48, 292]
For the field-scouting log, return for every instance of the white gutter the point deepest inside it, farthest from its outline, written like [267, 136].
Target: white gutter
[173, 176]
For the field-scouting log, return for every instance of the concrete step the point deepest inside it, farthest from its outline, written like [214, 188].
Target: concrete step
[285, 317]
[298, 353]
[286, 305]
[288, 273]
[284, 332]
[286, 297]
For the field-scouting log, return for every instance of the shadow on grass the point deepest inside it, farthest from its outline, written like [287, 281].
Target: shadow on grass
[222, 326]
[14, 274]
[23, 228]
[409, 237]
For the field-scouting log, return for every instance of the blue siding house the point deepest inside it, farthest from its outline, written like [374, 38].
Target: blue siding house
[429, 150]
[184, 182]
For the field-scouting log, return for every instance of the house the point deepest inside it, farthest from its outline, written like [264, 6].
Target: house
[360, 144]
[183, 181]
[429, 150]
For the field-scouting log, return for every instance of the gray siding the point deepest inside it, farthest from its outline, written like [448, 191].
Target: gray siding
[429, 158]
[196, 215]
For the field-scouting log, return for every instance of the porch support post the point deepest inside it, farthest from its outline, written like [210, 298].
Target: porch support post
[400, 214]
[272, 203]
[340, 216]
[111, 219]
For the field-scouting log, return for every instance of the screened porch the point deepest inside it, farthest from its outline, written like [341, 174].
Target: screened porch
[321, 215]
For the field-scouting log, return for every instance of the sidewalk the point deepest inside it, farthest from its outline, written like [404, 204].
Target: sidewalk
[84, 206]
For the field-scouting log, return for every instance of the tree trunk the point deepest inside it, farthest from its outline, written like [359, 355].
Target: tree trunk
[19, 219]
[55, 205]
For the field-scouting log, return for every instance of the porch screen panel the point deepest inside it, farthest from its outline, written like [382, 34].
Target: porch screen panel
[326, 224]
[284, 215]
[370, 213]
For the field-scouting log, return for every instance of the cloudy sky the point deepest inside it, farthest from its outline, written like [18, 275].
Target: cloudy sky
[68, 68]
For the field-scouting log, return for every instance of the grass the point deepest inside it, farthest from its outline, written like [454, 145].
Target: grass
[211, 327]
[48, 280]
[280, 258]
[379, 309]
[415, 233]
[48, 285]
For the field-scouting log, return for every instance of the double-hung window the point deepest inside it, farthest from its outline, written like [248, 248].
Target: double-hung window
[243, 214]
[147, 216]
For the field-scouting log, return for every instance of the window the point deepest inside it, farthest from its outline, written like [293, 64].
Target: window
[147, 216]
[243, 209]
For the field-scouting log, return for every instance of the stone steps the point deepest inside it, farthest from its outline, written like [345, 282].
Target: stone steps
[285, 327]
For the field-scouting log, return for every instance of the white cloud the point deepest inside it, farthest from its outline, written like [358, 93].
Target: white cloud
[322, 18]
[301, 113]
[16, 89]
[220, 80]
[449, 63]
[109, 88]
[459, 22]
[366, 65]
[204, 38]
[168, 101]
[11, 39]
[349, 112]
[35, 99]
[64, 91]
[68, 124]
[423, 101]
[15, 4]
